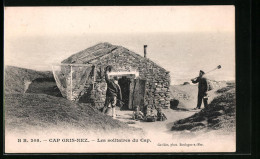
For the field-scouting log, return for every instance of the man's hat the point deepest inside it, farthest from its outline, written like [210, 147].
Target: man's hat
[202, 72]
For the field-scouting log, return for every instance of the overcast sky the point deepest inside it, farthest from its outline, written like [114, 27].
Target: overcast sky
[183, 39]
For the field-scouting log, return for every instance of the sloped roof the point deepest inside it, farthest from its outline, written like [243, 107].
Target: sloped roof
[90, 53]
[98, 51]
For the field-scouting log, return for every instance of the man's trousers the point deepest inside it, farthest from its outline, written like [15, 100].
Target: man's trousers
[205, 101]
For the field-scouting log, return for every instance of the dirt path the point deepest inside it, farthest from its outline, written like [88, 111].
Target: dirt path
[162, 128]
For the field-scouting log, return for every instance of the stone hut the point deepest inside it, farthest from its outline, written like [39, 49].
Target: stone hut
[142, 82]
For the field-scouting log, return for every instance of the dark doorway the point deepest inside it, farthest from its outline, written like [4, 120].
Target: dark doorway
[124, 84]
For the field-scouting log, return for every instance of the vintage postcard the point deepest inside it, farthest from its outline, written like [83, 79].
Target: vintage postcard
[119, 79]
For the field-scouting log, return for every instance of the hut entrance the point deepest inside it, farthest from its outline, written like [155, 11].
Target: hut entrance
[133, 91]
[124, 84]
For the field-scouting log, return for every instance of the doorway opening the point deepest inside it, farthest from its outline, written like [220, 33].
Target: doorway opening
[124, 84]
[132, 89]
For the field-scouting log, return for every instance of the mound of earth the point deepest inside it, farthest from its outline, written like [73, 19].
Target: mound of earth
[17, 80]
[220, 114]
[24, 112]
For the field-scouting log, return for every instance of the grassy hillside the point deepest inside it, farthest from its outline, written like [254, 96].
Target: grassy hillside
[16, 78]
[39, 111]
[220, 113]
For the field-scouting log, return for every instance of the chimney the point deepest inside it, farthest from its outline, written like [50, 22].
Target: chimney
[145, 46]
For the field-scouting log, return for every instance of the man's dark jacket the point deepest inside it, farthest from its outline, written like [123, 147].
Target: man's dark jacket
[203, 85]
[113, 90]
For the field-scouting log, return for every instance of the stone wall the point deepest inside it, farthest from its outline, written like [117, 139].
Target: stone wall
[157, 92]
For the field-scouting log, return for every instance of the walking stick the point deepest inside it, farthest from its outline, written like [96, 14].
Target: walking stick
[218, 67]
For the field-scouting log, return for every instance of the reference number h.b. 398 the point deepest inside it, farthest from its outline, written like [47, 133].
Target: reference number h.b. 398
[53, 140]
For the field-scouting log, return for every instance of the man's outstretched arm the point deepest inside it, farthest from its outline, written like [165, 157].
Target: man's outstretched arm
[195, 80]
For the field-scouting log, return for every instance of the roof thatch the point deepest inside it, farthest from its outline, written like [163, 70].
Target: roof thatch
[92, 54]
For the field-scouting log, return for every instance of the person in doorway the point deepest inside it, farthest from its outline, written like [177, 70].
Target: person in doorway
[202, 89]
[113, 93]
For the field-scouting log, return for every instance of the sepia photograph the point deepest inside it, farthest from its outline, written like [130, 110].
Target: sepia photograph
[119, 79]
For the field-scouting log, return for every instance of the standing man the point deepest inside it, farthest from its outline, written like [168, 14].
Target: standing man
[202, 89]
[113, 93]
